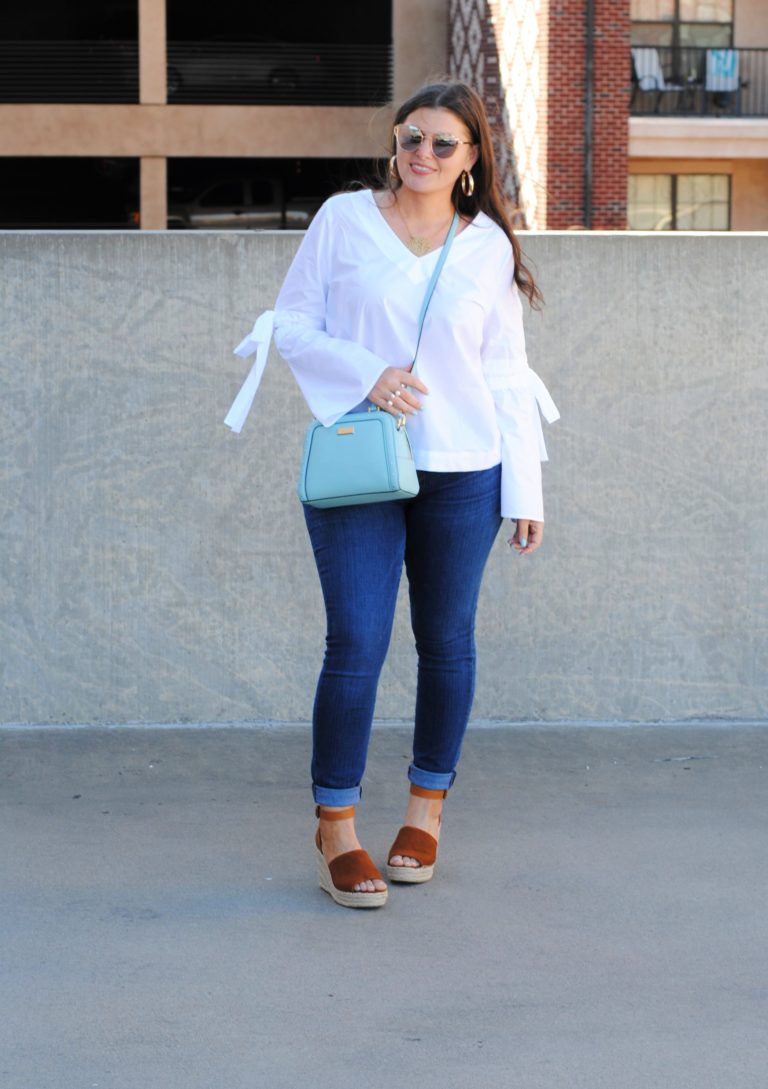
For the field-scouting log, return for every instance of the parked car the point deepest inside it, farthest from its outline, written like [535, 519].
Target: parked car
[244, 204]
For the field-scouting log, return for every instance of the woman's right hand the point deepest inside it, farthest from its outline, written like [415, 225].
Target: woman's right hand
[393, 392]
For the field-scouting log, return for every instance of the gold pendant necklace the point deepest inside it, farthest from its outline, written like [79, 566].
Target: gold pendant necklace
[419, 244]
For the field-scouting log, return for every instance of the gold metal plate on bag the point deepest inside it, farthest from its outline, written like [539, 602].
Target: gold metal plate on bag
[349, 430]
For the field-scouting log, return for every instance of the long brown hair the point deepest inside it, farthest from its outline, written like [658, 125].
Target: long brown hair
[487, 197]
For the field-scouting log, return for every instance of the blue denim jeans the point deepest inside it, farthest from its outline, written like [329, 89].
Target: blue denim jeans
[444, 535]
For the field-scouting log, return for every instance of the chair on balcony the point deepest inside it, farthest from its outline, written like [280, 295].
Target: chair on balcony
[649, 75]
[721, 79]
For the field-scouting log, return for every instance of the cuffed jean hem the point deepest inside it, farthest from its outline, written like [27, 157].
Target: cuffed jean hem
[431, 780]
[330, 796]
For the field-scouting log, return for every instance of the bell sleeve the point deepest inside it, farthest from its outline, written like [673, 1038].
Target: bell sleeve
[520, 399]
[333, 373]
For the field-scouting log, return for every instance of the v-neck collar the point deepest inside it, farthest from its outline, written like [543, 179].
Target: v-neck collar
[397, 244]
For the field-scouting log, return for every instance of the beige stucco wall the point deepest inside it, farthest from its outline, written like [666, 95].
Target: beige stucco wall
[154, 193]
[420, 39]
[749, 196]
[750, 23]
[698, 137]
[192, 131]
[153, 84]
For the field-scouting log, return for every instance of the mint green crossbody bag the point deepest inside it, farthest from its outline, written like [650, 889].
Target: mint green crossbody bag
[365, 457]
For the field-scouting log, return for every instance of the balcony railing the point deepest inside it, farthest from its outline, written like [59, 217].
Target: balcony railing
[698, 81]
[64, 71]
[280, 73]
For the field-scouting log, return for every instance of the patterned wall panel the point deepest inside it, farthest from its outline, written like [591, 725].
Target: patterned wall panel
[521, 35]
[473, 57]
[499, 47]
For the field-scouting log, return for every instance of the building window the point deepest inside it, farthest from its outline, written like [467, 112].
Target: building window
[679, 23]
[679, 202]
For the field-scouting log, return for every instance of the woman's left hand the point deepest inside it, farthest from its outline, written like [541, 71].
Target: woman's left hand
[528, 536]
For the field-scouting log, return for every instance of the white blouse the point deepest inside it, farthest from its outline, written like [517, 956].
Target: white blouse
[349, 308]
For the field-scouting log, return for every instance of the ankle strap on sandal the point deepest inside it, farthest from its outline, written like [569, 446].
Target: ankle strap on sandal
[326, 814]
[423, 792]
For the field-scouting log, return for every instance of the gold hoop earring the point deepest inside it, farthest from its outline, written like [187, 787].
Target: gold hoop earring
[467, 183]
[393, 174]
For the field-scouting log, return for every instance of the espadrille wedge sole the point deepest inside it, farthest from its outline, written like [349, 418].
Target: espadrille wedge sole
[339, 877]
[366, 871]
[415, 843]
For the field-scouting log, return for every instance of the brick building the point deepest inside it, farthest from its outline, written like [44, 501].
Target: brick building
[559, 89]
[612, 113]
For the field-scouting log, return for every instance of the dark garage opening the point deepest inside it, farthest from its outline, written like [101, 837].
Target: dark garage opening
[345, 21]
[69, 193]
[298, 53]
[52, 51]
[257, 193]
[303, 52]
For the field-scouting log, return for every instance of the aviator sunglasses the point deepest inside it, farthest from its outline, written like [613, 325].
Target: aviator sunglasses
[410, 137]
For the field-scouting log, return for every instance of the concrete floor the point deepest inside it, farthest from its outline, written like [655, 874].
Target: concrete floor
[598, 918]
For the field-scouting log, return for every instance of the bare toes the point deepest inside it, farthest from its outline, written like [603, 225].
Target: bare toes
[400, 860]
[370, 886]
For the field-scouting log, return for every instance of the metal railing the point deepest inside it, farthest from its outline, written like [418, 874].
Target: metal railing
[699, 81]
[280, 73]
[64, 71]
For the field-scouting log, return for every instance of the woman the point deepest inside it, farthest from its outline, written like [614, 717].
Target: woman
[346, 322]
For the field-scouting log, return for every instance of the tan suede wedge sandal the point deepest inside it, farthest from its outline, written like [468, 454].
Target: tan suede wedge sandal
[339, 877]
[415, 843]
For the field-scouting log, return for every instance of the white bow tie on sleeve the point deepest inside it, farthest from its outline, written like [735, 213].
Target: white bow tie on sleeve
[547, 406]
[258, 341]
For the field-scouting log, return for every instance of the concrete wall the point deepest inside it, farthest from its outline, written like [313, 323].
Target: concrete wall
[155, 567]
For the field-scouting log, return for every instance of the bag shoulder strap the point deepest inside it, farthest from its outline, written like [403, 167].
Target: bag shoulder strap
[433, 280]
